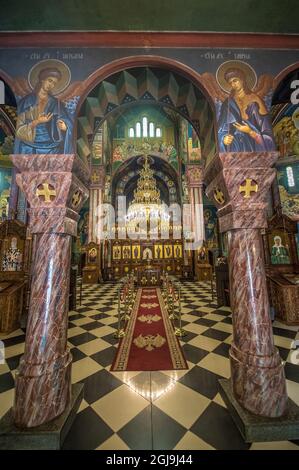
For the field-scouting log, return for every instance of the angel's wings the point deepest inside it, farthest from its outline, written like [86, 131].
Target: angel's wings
[262, 88]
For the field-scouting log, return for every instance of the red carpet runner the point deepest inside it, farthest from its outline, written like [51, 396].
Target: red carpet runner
[150, 342]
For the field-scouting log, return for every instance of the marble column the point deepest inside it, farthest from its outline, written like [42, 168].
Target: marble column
[195, 185]
[55, 187]
[239, 183]
[96, 200]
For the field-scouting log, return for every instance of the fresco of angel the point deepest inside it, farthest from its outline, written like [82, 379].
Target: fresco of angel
[243, 120]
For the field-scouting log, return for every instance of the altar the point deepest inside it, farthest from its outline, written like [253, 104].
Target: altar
[148, 275]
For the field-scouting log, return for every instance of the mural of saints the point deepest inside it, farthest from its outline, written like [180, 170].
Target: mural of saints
[244, 124]
[43, 124]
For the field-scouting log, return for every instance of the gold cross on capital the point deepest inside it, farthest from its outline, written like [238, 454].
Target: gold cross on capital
[95, 178]
[46, 191]
[76, 199]
[247, 187]
[219, 196]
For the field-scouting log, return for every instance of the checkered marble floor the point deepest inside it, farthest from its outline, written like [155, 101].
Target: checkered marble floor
[152, 410]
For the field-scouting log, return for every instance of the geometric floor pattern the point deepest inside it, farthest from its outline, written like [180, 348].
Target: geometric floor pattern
[180, 410]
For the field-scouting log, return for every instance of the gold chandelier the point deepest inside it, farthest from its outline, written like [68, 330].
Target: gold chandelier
[146, 205]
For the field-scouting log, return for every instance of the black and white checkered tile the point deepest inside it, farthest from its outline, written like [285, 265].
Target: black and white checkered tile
[152, 410]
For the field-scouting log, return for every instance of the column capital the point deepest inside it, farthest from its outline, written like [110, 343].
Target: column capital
[238, 184]
[56, 189]
[97, 177]
[194, 175]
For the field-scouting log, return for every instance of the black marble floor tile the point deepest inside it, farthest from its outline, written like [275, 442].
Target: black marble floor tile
[6, 382]
[222, 349]
[168, 439]
[82, 338]
[110, 339]
[77, 316]
[216, 427]
[13, 341]
[14, 361]
[99, 384]
[227, 320]
[193, 354]
[91, 326]
[292, 371]
[283, 352]
[189, 336]
[83, 309]
[283, 332]
[216, 334]
[87, 432]
[202, 381]
[77, 354]
[105, 357]
[98, 316]
[137, 434]
[205, 322]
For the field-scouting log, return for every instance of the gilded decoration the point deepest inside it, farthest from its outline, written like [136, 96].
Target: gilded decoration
[149, 342]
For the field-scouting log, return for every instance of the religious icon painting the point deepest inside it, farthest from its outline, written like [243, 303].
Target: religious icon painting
[158, 251]
[178, 251]
[136, 251]
[116, 252]
[126, 252]
[167, 251]
[279, 247]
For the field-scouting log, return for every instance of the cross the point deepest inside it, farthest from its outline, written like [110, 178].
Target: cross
[76, 198]
[95, 178]
[247, 188]
[219, 196]
[46, 190]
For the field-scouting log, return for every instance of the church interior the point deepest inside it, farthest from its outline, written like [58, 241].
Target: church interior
[149, 236]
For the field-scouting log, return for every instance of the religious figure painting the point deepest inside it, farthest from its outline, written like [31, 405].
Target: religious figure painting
[279, 251]
[158, 251]
[167, 251]
[244, 123]
[116, 252]
[136, 251]
[178, 251]
[44, 126]
[92, 255]
[126, 252]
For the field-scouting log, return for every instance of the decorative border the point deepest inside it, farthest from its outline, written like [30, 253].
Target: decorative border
[121, 361]
[176, 353]
[146, 39]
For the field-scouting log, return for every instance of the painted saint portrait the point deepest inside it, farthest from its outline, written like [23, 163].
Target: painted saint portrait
[279, 252]
[44, 124]
[167, 251]
[116, 252]
[158, 251]
[244, 124]
[136, 252]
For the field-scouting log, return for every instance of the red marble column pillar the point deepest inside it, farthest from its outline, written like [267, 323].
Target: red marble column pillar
[54, 185]
[239, 185]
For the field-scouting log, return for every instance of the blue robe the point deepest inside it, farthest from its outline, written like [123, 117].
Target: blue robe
[229, 114]
[46, 137]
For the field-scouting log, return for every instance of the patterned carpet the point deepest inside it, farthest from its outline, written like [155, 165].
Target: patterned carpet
[128, 410]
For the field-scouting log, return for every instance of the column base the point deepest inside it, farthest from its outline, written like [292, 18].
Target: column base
[259, 382]
[42, 391]
[49, 436]
[259, 428]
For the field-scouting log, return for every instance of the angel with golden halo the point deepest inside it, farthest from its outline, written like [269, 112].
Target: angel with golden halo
[244, 124]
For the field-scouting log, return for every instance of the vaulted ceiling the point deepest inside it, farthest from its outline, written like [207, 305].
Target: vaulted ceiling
[145, 85]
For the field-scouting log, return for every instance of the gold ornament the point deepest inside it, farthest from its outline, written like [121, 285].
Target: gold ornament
[149, 342]
[247, 188]
[46, 191]
[149, 318]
